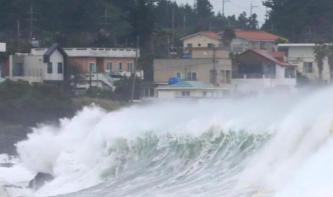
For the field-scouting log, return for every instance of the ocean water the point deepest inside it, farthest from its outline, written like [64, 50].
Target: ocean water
[266, 146]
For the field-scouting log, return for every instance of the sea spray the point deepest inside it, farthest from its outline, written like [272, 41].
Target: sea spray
[250, 147]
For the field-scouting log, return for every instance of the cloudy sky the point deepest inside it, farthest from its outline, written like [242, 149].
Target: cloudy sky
[236, 7]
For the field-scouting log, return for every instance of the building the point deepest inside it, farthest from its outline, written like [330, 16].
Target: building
[203, 39]
[190, 89]
[260, 71]
[303, 56]
[101, 60]
[245, 39]
[4, 66]
[47, 67]
[201, 68]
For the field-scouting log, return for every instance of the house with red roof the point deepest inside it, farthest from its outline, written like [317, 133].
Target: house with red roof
[246, 39]
[257, 71]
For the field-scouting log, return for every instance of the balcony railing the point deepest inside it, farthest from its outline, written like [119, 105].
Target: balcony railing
[253, 76]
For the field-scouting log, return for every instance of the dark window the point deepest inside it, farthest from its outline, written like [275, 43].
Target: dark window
[194, 76]
[199, 45]
[179, 75]
[186, 94]
[204, 93]
[189, 45]
[49, 68]
[290, 73]
[210, 45]
[60, 68]
[308, 67]
[129, 66]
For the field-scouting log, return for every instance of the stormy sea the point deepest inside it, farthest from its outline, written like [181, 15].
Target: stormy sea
[264, 146]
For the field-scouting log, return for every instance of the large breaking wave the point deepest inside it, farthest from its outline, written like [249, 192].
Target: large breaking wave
[277, 145]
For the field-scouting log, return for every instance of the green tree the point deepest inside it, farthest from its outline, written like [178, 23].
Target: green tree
[330, 60]
[320, 52]
[253, 22]
[204, 11]
[227, 37]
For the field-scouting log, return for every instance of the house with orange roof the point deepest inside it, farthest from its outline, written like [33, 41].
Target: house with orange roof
[246, 39]
[257, 71]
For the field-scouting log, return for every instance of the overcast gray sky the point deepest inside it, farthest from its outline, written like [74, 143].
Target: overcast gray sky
[236, 7]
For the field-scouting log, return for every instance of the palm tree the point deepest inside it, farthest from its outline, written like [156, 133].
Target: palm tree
[227, 37]
[330, 60]
[320, 51]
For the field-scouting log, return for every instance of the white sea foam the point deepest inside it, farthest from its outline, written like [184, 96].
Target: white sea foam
[295, 161]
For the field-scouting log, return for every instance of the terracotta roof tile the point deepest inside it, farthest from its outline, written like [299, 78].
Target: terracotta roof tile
[273, 56]
[211, 34]
[256, 35]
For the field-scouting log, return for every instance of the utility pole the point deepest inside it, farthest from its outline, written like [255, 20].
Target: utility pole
[173, 27]
[184, 23]
[223, 5]
[31, 21]
[18, 36]
[252, 6]
[134, 69]
[214, 67]
[105, 22]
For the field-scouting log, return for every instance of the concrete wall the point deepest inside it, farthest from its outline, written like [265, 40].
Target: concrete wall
[194, 93]
[166, 68]
[209, 53]
[84, 63]
[202, 40]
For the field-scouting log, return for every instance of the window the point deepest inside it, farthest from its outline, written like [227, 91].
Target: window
[210, 45]
[199, 45]
[308, 67]
[60, 68]
[49, 67]
[186, 94]
[290, 73]
[191, 76]
[129, 66]
[119, 66]
[189, 45]
[109, 66]
[194, 76]
[92, 67]
[204, 93]
[179, 75]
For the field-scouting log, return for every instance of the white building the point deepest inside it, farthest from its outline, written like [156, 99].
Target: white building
[190, 89]
[2, 47]
[303, 56]
[49, 67]
[260, 71]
